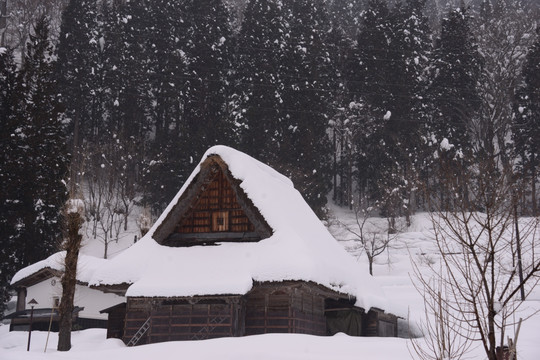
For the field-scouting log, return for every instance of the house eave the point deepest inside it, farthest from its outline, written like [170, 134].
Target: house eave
[118, 289]
[37, 277]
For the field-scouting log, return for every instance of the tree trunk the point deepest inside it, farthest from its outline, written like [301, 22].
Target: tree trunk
[533, 188]
[335, 166]
[491, 340]
[75, 158]
[72, 245]
[349, 175]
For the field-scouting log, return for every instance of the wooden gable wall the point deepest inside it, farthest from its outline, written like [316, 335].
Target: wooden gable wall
[213, 208]
[216, 210]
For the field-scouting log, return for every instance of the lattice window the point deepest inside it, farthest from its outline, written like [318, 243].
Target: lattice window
[220, 221]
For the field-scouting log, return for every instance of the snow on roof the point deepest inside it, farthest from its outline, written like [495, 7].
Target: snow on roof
[85, 267]
[301, 248]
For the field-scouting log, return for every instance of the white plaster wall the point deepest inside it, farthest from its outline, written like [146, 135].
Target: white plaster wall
[92, 300]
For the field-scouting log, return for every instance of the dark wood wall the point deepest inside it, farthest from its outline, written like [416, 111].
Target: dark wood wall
[379, 323]
[285, 308]
[282, 307]
[115, 321]
[216, 210]
[137, 311]
[184, 318]
[308, 311]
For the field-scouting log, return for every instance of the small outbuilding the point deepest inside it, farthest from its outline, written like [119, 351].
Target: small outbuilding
[239, 252]
[41, 282]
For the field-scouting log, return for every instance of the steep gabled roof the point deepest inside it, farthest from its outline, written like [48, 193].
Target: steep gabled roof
[210, 169]
[298, 248]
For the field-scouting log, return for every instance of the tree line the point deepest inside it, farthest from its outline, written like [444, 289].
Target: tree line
[367, 101]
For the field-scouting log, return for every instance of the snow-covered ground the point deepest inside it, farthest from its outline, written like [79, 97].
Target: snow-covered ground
[91, 344]
[393, 269]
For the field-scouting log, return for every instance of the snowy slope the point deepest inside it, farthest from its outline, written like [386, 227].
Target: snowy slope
[391, 270]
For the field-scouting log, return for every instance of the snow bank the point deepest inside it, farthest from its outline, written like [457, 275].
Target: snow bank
[301, 248]
[91, 344]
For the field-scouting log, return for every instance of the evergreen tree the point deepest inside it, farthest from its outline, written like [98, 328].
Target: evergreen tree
[8, 71]
[310, 81]
[369, 78]
[345, 16]
[453, 92]
[371, 66]
[162, 48]
[258, 83]
[134, 100]
[387, 78]
[413, 46]
[126, 71]
[343, 118]
[209, 50]
[33, 158]
[9, 173]
[42, 143]
[456, 71]
[165, 38]
[526, 127]
[80, 77]
[191, 43]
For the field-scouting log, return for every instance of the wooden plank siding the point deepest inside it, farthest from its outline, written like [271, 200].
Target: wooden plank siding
[184, 318]
[115, 321]
[276, 307]
[379, 323]
[308, 312]
[285, 309]
[213, 208]
[267, 313]
[216, 209]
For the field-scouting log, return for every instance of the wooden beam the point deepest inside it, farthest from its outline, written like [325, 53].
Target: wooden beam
[118, 289]
[197, 241]
[186, 201]
[251, 211]
[240, 236]
[37, 277]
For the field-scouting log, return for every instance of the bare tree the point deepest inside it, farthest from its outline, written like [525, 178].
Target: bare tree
[71, 245]
[369, 236]
[478, 246]
[440, 331]
[109, 192]
[144, 221]
[23, 13]
[504, 31]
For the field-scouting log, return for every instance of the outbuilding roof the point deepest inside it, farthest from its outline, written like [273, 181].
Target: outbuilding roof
[54, 266]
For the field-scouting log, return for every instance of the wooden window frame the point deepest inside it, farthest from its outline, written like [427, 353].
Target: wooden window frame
[223, 217]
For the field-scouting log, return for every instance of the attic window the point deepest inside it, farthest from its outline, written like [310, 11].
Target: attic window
[220, 221]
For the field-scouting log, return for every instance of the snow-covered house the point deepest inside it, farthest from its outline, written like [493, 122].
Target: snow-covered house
[41, 282]
[239, 252]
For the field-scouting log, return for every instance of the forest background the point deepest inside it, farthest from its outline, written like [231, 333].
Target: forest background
[372, 104]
